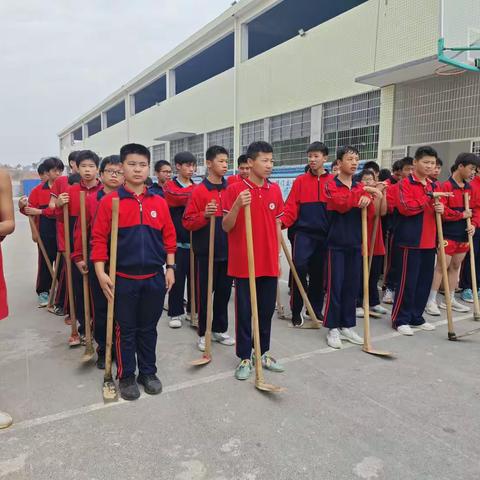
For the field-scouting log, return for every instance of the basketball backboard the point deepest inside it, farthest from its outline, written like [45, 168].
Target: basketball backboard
[459, 45]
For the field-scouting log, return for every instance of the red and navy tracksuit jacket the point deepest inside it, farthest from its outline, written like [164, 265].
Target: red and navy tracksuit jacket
[157, 189]
[344, 252]
[416, 237]
[46, 224]
[194, 220]
[146, 235]
[177, 197]
[306, 211]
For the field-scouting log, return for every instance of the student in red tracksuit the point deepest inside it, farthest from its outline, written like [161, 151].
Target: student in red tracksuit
[367, 177]
[87, 163]
[415, 237]
[146, 240]
[266, 203]
[177, 193]
[243, 170]
[306, 212]
[455, 230]
[111, 176]
[345, 197]
[206, 202]
[45, 220]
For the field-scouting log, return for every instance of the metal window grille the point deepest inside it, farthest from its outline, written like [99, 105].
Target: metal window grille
[176, 146]
[223, 138]
[353, 121]
[195, 145]
[158, 153]
[251, 132]
[390, 156]
[437, 109]
[476, 147]
[290, 137]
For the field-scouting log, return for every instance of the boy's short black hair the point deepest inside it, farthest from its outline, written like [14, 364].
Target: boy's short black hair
[184, 157]
[406, 161]
[364, 173]
[318, 147]
[134, 148]
[439, 162]
[255, 148]
[397, 165]
[372, 165]
[384, 174]
[453, 168]
[159, 164]
[87, 155]
[242, 159]
[342, 151]
[110, 160]
[425, 151]
[41, 169]
[465, 159]
[72, 156]
[52, 163]
[148, 182]
[215, 150]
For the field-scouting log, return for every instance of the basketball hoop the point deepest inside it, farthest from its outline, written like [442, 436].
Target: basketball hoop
[449, 71]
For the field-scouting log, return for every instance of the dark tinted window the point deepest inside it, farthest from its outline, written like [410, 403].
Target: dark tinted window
[152, 94]
[116, 114]
[282, 22]
[78, 134]
[94, 126]
[214, 60]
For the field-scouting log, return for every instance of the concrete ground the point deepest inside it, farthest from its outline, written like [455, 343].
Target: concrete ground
[345, 414]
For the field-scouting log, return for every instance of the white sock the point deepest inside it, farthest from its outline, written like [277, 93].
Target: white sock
[452, 296]
[433, 296]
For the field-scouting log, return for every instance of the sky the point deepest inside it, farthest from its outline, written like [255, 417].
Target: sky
[58, 59]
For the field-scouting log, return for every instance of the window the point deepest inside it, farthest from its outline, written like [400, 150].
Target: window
[150, 95]
[214, 60]
[77, 135]
[195, 145]
[116, 114]
[476, 148]
[176, 146]
[353, 121]
[290, 137]
[282, 22]
[223, 138]
[158, 153]
[251, 132]
[94, 126]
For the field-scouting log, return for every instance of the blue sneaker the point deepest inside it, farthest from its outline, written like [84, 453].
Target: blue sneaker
[243, 370]
[467, 295]
[42, 299]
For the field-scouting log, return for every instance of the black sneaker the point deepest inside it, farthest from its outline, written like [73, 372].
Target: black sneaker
[297, 320]
[100, 361]
[151, 383]
[129, 388]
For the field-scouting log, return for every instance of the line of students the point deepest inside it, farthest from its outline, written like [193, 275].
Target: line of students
[323, 212]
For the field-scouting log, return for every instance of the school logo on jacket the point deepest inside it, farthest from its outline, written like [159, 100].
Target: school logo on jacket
[271, 206]
[153, 213]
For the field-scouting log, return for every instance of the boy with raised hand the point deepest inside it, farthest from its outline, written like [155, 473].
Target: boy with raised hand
[306, 211]
[111, 176]
[345, 199]
[163, 172]
[87, 164]
[177, 194]
[45, 220]
[416, 238]
[243, 170]
[146, 241]
[455, 231]
[265, 199]
[207, 201]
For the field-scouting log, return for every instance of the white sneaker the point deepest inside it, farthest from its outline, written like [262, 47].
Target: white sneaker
[379, 309]
[388, 296]
[424, 326]
[405, 330]
[201, 344]
[188, 317]
[456, 307]
[351, 336]
[432, 309]
[359, 313]
[223, 338]
[175, 322]
[5, 420]
[333, 338]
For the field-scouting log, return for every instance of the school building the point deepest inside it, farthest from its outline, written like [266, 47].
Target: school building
[359, 72]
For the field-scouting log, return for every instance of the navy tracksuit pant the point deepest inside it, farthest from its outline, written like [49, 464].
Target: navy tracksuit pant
[266, 297]
[309, 260]
[465, 274]
[375, 272]
[222, 289]
[393, 266]
[138, 307]
[99, 307]
[182, 275]
[416, 277]
[61, 293]
[344, 271]
[49, 239]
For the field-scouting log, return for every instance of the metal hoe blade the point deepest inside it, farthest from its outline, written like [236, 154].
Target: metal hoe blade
[268, 387]
[378, 353]
[109, 391]
[206, 359]
[89, 353]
